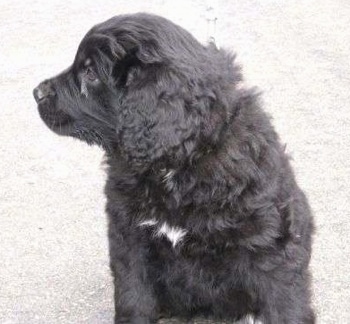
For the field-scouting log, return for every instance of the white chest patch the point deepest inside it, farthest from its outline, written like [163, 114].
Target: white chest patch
[148, 222]
[251, 320]
[173, 233]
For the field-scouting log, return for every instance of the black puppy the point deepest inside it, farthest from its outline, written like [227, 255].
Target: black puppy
[205, 216]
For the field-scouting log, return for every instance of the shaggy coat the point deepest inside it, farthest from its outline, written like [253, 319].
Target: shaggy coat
[205, 215]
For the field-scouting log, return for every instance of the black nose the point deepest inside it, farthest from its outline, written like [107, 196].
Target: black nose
[43, 91]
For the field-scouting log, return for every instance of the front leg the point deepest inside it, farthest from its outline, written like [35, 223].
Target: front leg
[134, 298]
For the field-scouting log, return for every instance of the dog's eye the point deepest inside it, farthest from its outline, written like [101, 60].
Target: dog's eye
[90, 74]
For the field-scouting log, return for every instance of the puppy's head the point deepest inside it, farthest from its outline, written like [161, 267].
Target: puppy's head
[143, 87]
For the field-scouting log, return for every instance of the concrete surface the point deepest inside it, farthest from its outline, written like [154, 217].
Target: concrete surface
[53, 249]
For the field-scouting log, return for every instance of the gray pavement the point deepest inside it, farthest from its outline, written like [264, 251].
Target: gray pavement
[53, 248]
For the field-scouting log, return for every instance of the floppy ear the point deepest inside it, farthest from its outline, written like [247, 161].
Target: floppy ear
[154, 122]
[165, 112]
[121, 56]
[153, 119]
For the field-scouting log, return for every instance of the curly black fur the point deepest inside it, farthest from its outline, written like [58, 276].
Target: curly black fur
[189, 148]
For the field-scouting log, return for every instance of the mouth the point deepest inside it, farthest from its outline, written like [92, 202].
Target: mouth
[58, 121]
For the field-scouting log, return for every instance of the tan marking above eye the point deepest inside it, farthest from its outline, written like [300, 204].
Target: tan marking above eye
[87, 62]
